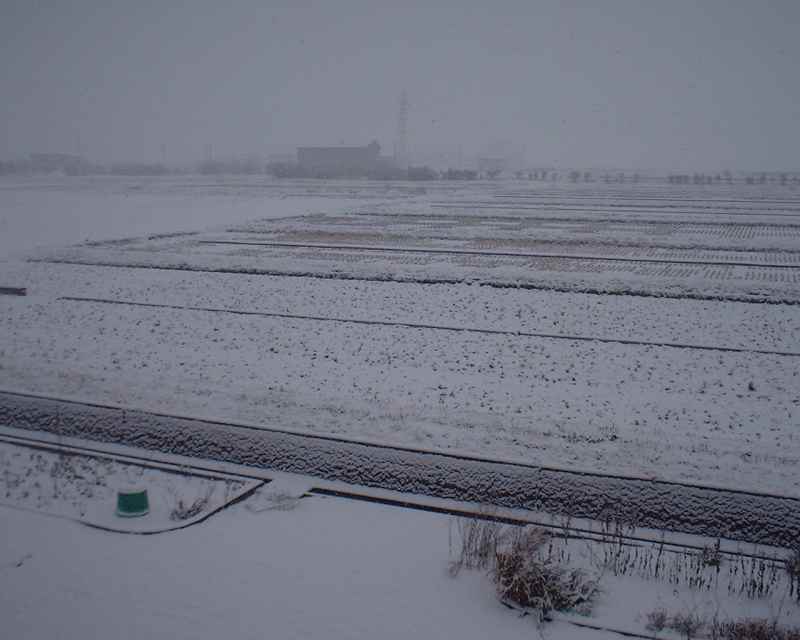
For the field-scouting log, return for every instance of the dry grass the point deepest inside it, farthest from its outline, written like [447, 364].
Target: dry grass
[531, 571]
[657, 620]
[690, 625]
[711, 556]
[476, 542]
[521, 563]
[527, 576]
[792, 563]
[707, 569]
[184, 510]
[687, 624]
[753, 629]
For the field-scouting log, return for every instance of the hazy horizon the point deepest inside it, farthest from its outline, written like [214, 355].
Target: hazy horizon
[573, 84]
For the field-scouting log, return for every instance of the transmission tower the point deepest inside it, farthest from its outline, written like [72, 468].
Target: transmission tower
[401, 143]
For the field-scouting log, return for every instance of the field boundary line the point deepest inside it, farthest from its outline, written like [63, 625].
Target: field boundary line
[375, 444]
[435, 327]
[578, 288]
[605, 209]
[499, 254]
[633, 244]
[552, 218]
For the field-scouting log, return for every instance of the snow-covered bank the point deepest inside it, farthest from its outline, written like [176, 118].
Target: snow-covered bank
[313, 568]
[326, 568]
[569, 492]
[84, 489]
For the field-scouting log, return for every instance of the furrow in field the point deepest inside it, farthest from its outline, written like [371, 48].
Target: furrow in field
[726, 418]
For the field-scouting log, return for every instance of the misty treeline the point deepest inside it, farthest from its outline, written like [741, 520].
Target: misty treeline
[252, 165]
[294, 170]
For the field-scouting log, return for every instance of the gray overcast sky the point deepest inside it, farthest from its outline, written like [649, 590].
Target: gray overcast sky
[691, 84]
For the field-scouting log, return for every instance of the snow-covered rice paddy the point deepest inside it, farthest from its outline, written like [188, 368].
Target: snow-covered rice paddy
[322, 324]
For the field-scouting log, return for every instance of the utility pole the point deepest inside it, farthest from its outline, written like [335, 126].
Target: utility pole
[401, 143]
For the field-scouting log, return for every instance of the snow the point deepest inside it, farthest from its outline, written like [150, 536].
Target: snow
[690, 508]
[41, 212]
[85, 489]
[421, 255]
[695, 415]
[288, 564]
[317, 567]
[323, 569]
[653, 411]
[695, 322]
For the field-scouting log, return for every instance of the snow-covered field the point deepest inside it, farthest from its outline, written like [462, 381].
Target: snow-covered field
[288, 564]
[84, 489]
[697, 413]
[696, 322]
[58, 211]
[388, 247]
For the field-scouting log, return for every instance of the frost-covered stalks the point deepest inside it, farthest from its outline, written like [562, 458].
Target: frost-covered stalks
[792, 566]
[528, 570]
[707, 569]
[752, 629]
[473, 543]
[538, 571]
[616, 556]
[527, 574]
[657, 620]
[691, 625]
[185, 510]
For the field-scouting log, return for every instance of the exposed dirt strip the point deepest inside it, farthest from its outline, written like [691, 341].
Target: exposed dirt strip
[499, 254]
[621, 196]
[538, 218]
[13, 291]
[413, 325]
[603, 242]
[608, 208]
[688, 208]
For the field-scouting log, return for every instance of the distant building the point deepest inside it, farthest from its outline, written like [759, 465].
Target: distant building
[341, 160]
[58, 163]
[281, 158]
[492, 165]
